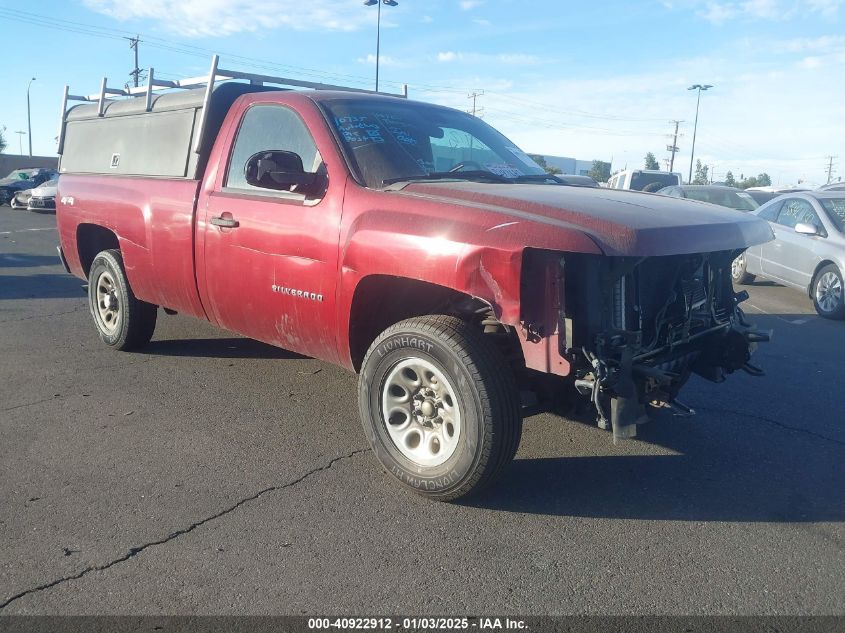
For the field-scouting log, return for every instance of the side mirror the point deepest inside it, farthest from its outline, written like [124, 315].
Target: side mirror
[279, 170]
[805, 228]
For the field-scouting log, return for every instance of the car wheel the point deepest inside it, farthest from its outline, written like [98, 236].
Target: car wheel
[738, 271]
[123, 321]
[828, 297]
[440, 406]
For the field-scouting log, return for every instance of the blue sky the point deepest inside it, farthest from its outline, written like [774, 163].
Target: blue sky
[592, 80]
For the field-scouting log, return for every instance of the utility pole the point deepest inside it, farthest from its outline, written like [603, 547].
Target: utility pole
[698, 87]
[474, 96]
[29, 117]
[830, 168]
[674, 146]
[136, 72]
[20, 134]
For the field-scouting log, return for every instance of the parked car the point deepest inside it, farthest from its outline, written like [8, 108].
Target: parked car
[323, 222]
[43, 197]
[714, 194]
[833, 186]
[762, 197]
[20, 199]
[808, 251]
[644, 179]
[22, 179]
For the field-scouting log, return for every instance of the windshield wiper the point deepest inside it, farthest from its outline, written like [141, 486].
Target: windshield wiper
[538, 178]
[475, 174]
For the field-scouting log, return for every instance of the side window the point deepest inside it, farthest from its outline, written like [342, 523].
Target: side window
[795, 211]
[270, 127]
[771, 213]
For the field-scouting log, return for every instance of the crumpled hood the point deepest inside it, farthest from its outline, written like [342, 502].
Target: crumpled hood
[619, 222]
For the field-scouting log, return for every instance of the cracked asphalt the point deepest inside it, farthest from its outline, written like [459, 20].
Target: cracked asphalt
[211, 474]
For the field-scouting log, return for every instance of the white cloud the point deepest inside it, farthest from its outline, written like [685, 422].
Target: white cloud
[482, 22]
[204, 18]
[468, 5]
[384, 60]
[510, 59]
[719, 12]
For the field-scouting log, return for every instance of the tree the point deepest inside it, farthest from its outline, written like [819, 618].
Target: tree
[763, 180]
[701, 177]
[600, 171]
[651, 161]
[2, 139]
[730, 181]
[541, 161]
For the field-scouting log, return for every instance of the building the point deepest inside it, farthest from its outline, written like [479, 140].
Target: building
[11, 162]
[566, 165]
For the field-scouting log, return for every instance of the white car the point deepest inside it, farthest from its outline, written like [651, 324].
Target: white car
[644, 179]
[43, 197]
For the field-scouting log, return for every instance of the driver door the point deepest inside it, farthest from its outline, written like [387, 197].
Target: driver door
[271, 256]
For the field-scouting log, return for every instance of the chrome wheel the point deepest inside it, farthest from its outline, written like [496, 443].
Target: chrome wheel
[420, 412]
[738, 267]
[108, 302]
[829, 292]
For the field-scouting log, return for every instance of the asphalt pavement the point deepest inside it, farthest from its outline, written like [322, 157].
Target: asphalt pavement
[210, 474]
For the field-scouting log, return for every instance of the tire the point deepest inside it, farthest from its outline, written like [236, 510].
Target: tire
[123, 321]
[444, 368]
[738, 271]
[829, 293]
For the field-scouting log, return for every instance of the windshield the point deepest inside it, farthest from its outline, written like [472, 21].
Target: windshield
[644, 181]
[20, 174]
[392, 140]
[835, 209]
[734, 199]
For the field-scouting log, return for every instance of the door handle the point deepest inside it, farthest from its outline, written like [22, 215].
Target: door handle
[228, 223]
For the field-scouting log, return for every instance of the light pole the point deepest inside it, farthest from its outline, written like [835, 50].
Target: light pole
[369, 3]
[28, 118]
[698, 87]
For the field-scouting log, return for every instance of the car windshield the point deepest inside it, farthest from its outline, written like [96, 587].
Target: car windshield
[390, 140]
[725, 198]
[835, 209]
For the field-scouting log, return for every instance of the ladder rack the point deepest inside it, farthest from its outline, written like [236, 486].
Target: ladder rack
[214, 76]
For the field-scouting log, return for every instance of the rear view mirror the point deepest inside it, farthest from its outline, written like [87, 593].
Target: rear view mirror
[804, 228]
[279, 170]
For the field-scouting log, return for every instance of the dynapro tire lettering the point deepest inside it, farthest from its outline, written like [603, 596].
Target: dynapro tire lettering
[293, 292]
[404, 341]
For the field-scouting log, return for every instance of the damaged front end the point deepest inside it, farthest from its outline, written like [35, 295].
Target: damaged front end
[633, 329]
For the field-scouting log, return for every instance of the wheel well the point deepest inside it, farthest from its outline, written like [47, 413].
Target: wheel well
[92, 239]
[382, 300]
[822, 264]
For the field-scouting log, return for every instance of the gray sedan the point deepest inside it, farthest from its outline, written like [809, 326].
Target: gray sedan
[808, 251]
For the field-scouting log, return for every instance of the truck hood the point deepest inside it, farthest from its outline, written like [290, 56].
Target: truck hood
[629, 223]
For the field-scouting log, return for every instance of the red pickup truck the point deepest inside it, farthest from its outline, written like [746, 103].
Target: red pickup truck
[408, 242]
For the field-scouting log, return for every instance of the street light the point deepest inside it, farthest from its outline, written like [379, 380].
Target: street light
[28, 119]
[369, 3]
[698, 87]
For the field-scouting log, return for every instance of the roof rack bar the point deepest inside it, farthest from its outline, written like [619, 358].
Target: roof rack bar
[150, 82]
[209, 88]
[101, 107]
[61, 136]
[252, 77]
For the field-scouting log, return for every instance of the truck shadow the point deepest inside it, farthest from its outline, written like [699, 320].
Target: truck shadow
[41, 286]
[16, 260]
[232, 347]
[702, 483]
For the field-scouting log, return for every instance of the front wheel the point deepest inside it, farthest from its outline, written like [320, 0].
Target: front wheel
[739, 271]
[440, 406]
[123, 321]
[828, 297]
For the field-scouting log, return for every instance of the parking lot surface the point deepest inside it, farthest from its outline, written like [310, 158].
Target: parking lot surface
[212, 474]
